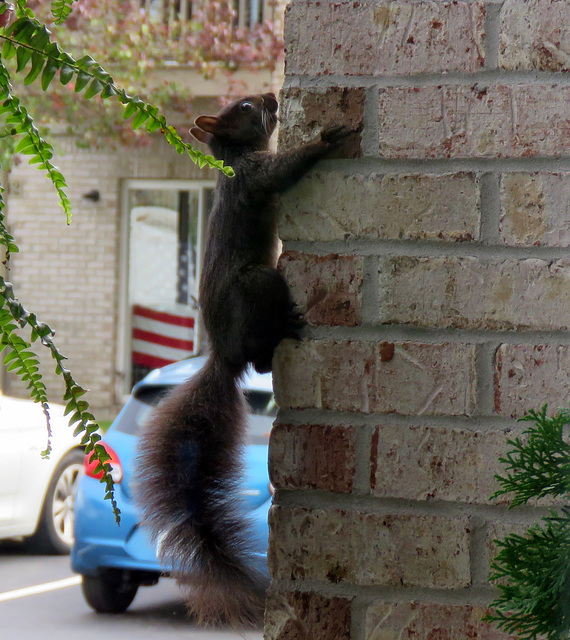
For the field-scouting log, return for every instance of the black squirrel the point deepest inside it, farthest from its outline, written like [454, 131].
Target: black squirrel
[188, 467]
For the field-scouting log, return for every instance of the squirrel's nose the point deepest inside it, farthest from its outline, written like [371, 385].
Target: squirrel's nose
[270, 101]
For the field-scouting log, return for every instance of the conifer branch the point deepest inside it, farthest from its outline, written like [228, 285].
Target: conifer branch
[534, 569]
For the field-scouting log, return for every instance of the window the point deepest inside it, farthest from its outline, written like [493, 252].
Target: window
[168, 10]
[248, 12]
[262, 411]
[163, 223]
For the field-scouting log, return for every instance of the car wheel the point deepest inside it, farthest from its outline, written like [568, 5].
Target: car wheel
[109, 592]
[55, 530]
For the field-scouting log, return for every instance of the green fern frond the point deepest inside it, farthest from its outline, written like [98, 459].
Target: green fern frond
[22, 359]
[31, 142]
[22, 9]
[60, 10]
[30, 42]
[6, 238]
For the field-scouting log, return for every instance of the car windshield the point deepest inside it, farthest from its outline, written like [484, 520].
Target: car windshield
[262, 411]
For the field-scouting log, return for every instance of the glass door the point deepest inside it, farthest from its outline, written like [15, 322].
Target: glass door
[163, 225]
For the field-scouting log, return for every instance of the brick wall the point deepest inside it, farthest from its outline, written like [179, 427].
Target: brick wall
[69, 275]
[431, 261]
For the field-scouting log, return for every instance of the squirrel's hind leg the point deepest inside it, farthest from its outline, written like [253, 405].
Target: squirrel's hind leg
[272, 315]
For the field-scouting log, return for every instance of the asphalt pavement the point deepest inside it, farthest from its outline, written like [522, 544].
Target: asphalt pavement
[40, 597]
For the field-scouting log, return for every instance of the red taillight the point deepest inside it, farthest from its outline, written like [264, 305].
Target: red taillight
[93, 470]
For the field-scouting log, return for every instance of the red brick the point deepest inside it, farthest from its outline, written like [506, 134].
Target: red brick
[533, 35]
[369, 548]
[409, 378]
[534, 209]
[380, 38]
[306, 616]
[429, 621]
[327, 289]
[528, 376]
[304, 114]
[471, 293]
[312, 457]
[423, 463]
[452, 121]
[341, 204]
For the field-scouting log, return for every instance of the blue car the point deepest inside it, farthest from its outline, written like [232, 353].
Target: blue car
[115, 561]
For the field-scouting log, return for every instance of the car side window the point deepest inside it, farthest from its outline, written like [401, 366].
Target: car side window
[262, 410]
[261, 403]
[137, 410]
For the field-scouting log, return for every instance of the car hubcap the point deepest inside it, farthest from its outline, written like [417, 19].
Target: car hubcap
[63, 501]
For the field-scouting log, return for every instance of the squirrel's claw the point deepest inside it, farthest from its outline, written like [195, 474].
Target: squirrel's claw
[335, 135]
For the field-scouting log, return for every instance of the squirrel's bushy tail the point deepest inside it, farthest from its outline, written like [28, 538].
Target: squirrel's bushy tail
[189, 467]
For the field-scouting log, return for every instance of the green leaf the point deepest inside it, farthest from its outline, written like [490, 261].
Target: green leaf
[152, 110]
[66, 73]
[8, 50]
[153, 125]
[40, 39]
[48, 75]
[23, 30]
[140, 118]
[22, 57]
[130, 110]
[82, 81]
[109, 91]
[94, 88]
[25, 143]
[534, 568]
[60, 10]
[17, 25]
[37, 66]
[85, 63]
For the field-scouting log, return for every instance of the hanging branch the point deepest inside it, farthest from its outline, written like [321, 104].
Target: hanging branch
[61, 9]
[31, 143]
[30, 43]
[24, 362]
[6, 239]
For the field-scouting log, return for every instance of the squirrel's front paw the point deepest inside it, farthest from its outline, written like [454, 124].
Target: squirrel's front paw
[335, 135]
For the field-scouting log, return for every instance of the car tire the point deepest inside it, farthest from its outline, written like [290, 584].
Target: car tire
[109, 592]
[54, 534]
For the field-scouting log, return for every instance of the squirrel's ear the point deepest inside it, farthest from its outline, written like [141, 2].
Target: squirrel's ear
[200, 135]
[210, 124]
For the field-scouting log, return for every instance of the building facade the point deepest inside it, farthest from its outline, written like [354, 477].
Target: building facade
[119, 284]
[431, 261]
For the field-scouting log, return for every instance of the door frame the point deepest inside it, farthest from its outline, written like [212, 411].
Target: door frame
[123, 364]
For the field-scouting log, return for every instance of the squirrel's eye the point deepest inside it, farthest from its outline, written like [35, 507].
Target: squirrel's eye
[246, 106]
